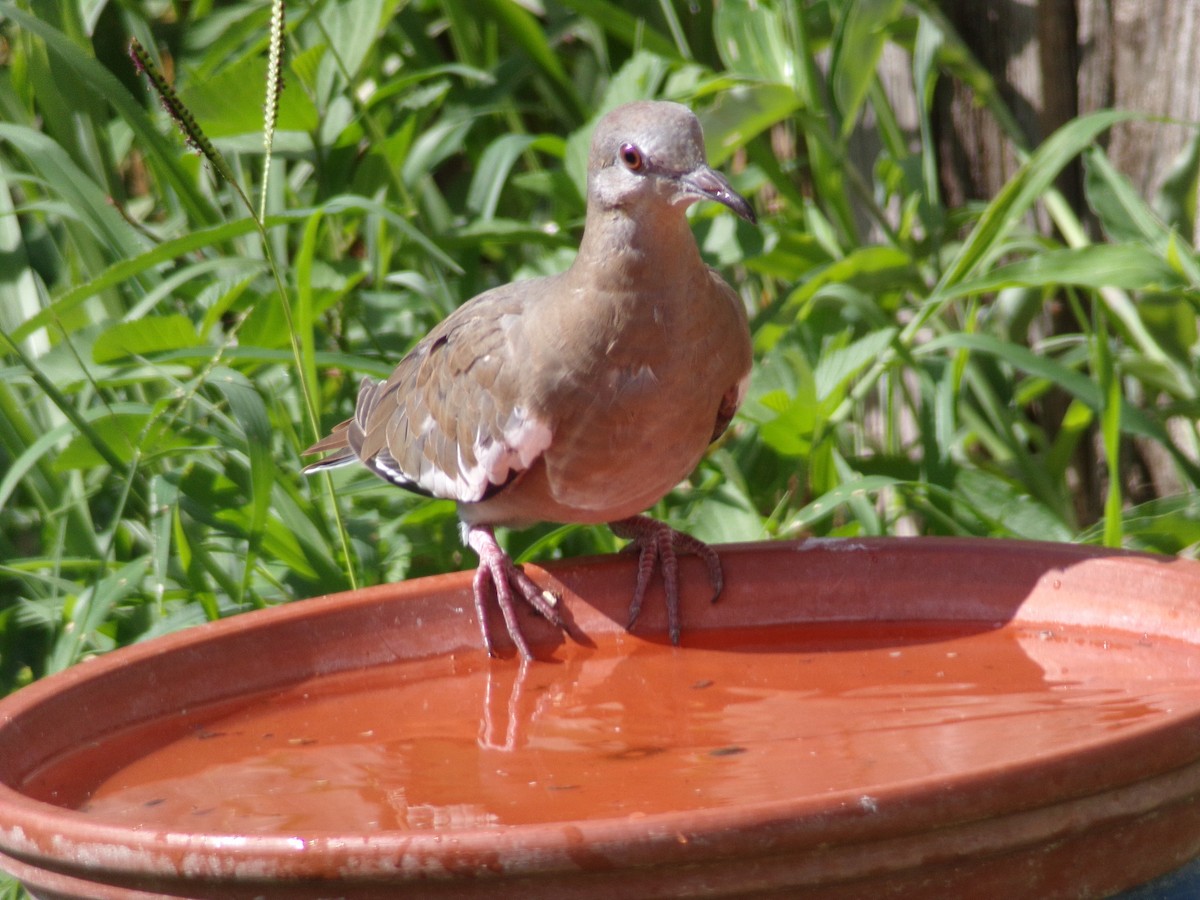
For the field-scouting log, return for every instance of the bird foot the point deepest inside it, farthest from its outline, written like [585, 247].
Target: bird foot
[657, 545]
[498, 575]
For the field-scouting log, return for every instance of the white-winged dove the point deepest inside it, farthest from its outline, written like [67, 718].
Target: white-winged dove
[580, 397]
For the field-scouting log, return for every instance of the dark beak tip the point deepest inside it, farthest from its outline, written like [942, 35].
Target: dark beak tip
[738, 204]
[714, 186]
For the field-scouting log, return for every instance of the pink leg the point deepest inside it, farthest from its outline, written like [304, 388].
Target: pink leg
[657, 543]
[498, 574]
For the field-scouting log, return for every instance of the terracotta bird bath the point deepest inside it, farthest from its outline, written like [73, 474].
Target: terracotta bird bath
[917, 718]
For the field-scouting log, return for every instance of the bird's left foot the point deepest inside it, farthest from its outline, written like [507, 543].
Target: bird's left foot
[657, 545]
[498, 572]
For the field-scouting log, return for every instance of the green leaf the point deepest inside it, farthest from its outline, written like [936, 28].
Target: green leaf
[1171, 318]
[483, 196]
[231, 102]
[1134, 421]
[123, 433]
[1031, 181]
[835, 370]
[1122, 212]
[90, 75]
[527, 32]
[127, 269]
[861, 35]
[831, 501]
[1176, 198]
[91, 609]
[629, 29]
[740, 114]
[250, 413]
[1164, 525]
[752, 42]
[783, 403]
[86, 198]
[873, 269]
[352, 29]
[1130, 266]
[1008, 508]
[144, 337]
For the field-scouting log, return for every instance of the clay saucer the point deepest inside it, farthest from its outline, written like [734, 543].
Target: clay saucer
[854, 719]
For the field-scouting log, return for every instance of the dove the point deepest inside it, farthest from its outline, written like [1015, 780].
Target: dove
[581, 397]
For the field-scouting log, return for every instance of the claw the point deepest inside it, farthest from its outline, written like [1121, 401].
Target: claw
[658, 545]
[498, 575]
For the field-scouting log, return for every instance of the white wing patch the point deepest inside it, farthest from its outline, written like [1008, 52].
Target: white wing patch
[742, 387]
[525, 438]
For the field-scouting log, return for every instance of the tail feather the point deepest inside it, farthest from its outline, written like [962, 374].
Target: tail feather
[331, 462]
[345, 449]
[336, 441]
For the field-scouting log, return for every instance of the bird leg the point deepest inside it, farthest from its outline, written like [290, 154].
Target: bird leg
[497, 572]
[658, 543]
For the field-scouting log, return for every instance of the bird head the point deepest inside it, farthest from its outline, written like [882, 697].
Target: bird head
[651, 153]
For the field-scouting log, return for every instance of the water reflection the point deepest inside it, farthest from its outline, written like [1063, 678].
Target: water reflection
[634, 728]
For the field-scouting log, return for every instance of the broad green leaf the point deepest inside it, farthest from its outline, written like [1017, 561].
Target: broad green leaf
[835, 371]
[1130, 266]
[740, 114]
[873, 269]
[783, 403]
[352, 28]
[231, 102]
[857, 45]
[1009, 510]
[725, 515]
[751, 38]
[144, 337]
[496, 164]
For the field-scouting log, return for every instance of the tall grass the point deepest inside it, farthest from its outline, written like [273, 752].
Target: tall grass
[173, 329]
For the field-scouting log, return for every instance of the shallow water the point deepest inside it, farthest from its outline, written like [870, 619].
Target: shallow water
[632, 728]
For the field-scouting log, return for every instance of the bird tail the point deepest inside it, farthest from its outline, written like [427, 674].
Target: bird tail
[336, 441]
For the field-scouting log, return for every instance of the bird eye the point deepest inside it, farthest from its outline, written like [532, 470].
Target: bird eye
[631, 156]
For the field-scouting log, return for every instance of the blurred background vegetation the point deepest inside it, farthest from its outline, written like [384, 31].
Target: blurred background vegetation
[968, 318]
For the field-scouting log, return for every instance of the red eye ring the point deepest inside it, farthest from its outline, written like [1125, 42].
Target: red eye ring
[631, 156]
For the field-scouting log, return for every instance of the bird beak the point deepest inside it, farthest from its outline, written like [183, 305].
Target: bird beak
[709, 184]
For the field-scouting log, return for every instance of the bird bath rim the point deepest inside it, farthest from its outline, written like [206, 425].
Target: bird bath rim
[1011, 581]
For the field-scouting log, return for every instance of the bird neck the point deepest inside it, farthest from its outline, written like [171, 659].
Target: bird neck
[636, 251]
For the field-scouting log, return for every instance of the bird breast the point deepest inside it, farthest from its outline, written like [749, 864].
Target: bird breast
[630, 398]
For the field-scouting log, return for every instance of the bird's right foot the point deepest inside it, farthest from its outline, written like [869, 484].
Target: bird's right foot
[498, 576]
[657, 544]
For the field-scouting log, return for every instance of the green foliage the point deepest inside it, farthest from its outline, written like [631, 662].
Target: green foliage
[169, 346]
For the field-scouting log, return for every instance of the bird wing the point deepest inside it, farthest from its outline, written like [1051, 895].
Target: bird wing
[732, 399]
[451, 420]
